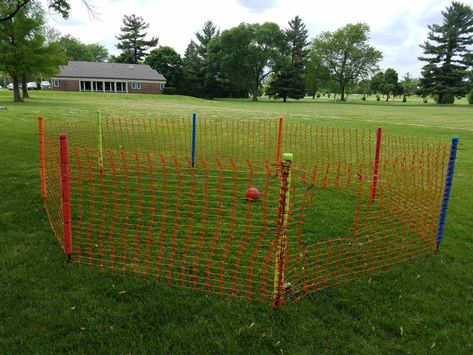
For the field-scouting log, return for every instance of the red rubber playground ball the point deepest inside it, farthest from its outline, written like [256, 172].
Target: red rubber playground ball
[252, 194]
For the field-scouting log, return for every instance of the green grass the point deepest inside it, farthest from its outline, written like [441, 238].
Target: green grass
[48, 306]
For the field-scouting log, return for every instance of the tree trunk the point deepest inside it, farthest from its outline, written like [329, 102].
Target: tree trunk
[254, 94]
[24, 89]
[16, 90]
[284, 99]
[342, 94]
[446, 98]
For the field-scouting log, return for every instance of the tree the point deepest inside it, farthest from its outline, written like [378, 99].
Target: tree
[192, 68]
[168, 62]
[377, 83]
[447, 52]
[386, 83]
[74, 49]
[14, 7]
[132, 40]
[199, 68]
[347, 54]
[391, 83]
[316, 74]
[248, 54]
[408, 85]
[210, 87]
[23, 48]
[289, 82]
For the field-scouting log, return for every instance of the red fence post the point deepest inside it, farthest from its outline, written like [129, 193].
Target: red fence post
[376, 164]
[42, 159]
[278, 146]
[66, 203]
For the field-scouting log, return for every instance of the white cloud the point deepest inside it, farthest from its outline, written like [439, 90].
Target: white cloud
[397, 27]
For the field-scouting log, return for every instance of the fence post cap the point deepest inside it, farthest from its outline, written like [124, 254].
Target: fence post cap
[287, 157]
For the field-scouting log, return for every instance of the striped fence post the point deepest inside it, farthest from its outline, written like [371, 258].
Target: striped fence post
[66, 199]
[281, 241]
[278, 146]
[446, 191]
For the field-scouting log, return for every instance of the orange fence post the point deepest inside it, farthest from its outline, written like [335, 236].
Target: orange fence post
[281, 241]
[66, 202]
[42, 159]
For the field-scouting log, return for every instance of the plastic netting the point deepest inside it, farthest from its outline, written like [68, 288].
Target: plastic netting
[336, 213]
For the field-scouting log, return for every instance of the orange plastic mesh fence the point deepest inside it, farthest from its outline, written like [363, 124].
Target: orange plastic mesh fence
[143, 208]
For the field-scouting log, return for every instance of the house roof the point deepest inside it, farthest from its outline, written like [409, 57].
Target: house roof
[109, 71]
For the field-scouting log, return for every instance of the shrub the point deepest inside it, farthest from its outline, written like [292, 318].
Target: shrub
[318, 96]
[378, 98]
[169, 90]
[470, 97]
[425, 100]
[363, 98]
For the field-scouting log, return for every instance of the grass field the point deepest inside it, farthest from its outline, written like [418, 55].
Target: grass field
[48, 306]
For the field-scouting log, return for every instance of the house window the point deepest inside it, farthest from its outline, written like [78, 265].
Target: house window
[98, 85]
[136, 86]
[161, 86]
[109, 86]
[85, 86]
[55, 83]
[121, 86]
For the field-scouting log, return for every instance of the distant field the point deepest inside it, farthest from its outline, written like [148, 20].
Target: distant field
[48, 306]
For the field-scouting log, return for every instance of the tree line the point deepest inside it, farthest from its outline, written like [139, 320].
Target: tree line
[251, 60]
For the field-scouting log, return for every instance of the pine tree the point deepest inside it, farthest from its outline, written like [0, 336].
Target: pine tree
[132, 40]
[289, 82]
[447, 55]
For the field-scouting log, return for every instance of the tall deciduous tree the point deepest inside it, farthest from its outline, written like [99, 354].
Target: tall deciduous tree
[317, 76]
[347, 54]
[447, 52]
[24, 52]
[168, 62]
[391, 83]
[386, 83]
[289, 82]
[74, 49]
[15, 6]
[132, 40]
[249, 53]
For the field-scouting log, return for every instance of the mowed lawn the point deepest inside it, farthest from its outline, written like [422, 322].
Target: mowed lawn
[48, 306]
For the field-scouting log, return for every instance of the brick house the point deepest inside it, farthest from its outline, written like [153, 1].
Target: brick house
[108, 77]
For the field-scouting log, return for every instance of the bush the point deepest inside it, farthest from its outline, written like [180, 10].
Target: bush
[363, 98]
[169, 90]
[470, 97]
[378, 98]
[318, 96]
[425, 100]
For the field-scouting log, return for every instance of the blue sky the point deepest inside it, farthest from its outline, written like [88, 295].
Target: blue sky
[397, 27]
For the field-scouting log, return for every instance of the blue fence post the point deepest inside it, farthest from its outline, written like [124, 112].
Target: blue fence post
[194, 124]
[446, 191]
